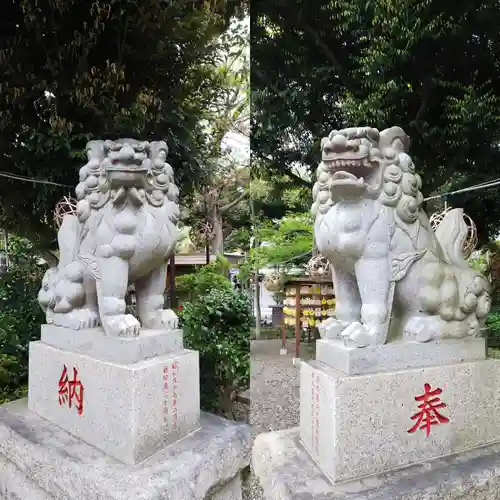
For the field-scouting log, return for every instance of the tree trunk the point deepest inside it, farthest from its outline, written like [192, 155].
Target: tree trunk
[258, 317]
[217, 233]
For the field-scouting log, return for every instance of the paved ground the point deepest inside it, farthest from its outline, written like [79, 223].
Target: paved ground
[274, 393]
[274, 386]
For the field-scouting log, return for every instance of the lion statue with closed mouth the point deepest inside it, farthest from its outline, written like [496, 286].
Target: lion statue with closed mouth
[394, 277]
[123, 232]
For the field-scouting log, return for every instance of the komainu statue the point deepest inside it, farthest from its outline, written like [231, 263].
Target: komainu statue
[394, 277]
[123, 232]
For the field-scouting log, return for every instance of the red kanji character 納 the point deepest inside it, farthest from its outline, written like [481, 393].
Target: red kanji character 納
[76, 392]
[63, 387]
[71, 389]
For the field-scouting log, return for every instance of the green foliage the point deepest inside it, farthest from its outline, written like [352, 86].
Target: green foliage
[493, 327]
[429, 66]
[286, 243]
[276, 195]
[73, 71]
[217, 325]
[479, 262]
[213, 276]
[220, 205]
[20, 317]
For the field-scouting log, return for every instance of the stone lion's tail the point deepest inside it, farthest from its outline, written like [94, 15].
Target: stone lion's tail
[452, 233]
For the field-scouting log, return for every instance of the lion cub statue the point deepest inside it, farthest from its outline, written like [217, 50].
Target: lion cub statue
[394, 277]
[123, 232]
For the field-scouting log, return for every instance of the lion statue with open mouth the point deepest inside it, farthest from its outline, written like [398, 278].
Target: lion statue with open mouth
[123, 232]
[394, 277]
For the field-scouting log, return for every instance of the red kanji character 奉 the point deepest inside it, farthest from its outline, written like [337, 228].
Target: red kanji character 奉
[428, 414]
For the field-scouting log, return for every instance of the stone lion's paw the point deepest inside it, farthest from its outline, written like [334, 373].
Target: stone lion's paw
[162, 319]
[78, 319]
[420, 329]
[86, 318]
[356, 335]
[331, 328]
[124, 325]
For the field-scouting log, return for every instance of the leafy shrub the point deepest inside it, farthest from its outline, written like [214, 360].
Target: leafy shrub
[217, 325]
[204, 279]
[493, 327]
[20, 317]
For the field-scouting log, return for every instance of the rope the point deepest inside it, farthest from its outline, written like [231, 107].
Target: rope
[483, 185]
[28, 179]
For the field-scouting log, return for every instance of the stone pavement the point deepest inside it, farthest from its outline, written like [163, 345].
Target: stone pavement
[274, 393]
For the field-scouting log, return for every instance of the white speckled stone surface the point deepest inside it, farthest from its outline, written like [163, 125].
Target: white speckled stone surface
[41, 461]
[127, 411]
[229, 491]
[95, 343]
[286, 472]
[398, 355]
[355, 426]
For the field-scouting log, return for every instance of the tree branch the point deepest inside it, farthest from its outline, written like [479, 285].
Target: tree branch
[225, 208]
[343, 75]
[289, 172]
[426, 94]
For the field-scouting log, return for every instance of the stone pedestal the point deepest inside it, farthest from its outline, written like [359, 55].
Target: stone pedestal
[41, 461]
[356, 428]
[287, 472]
[129, 411]
[398, 355]
[110, 418]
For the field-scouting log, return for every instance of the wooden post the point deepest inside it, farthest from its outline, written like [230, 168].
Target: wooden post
[283, 336]
[297, 321]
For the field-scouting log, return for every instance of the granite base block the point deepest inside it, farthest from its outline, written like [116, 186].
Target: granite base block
[356, 426]
[398, 355]
[95, 343]
[129, 411]
[229, 491]
[287, 472]
[41, 461]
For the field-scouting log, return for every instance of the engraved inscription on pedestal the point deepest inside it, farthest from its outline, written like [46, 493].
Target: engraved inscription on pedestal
[128, 411]
[373, 423]
[71, 391]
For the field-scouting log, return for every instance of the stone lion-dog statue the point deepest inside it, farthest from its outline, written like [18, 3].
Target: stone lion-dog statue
[394, 277]
[123, 232]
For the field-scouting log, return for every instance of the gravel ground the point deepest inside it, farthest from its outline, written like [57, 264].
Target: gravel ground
[274, 394]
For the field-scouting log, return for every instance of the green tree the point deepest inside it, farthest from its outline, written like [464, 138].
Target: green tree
[220, 204]
[430, 67]
[74, 71]
[20, 316]
[216, 322]
[284, 243]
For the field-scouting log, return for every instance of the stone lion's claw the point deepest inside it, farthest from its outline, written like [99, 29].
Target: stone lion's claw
[161, 319]
[331, 328]
[356, 335]
[123, 325]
